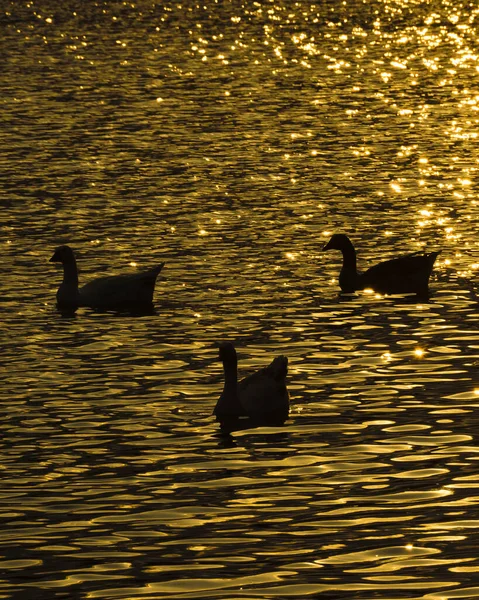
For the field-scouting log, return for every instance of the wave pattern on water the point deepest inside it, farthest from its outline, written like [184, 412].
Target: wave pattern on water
[230, 141]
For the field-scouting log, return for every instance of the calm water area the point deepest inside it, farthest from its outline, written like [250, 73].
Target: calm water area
[230, 139]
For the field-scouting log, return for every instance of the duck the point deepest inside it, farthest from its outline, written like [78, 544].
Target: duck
[127, 291]
[403, 275]
[261, 398]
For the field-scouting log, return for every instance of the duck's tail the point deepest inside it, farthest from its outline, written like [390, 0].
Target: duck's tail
[431, 259]
[278, 369]
[151, 274]
[157, 270]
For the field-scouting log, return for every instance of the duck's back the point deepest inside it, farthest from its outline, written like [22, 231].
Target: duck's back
[133, 290]
[406, 274]
[264, 394]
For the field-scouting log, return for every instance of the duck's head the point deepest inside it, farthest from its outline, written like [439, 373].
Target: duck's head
[338, 241]
[227, 352]
[62, 254]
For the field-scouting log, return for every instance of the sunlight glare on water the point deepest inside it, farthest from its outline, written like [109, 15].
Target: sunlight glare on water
[230, 141]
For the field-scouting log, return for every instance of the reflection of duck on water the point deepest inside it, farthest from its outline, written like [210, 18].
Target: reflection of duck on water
[403, 275]
[259, 399]
[134, 290]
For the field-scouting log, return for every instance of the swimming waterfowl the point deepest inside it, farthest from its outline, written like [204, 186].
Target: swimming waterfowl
[403, 275]
[132, 291]
[261, 397]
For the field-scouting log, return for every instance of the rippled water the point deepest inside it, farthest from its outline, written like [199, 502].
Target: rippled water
[230, 140]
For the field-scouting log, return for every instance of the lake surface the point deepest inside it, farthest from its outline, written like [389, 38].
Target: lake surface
[230, 140]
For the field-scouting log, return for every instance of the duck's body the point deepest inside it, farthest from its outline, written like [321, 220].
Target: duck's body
[403, 275]
[129, 291]
[261, 397]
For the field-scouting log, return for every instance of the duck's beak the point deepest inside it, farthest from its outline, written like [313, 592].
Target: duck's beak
[326, 247]
[55, 258]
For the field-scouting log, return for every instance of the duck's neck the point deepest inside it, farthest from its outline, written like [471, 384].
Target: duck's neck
[349, 255]
[348, 277]
[68, 295]
[70, 272]
[229, 403]
[231, 377]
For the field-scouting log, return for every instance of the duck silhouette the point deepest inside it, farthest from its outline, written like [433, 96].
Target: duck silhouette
[259, 399]
[127, 291]
[402, 275]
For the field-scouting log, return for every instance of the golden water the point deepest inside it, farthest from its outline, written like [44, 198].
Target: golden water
[230, 140]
